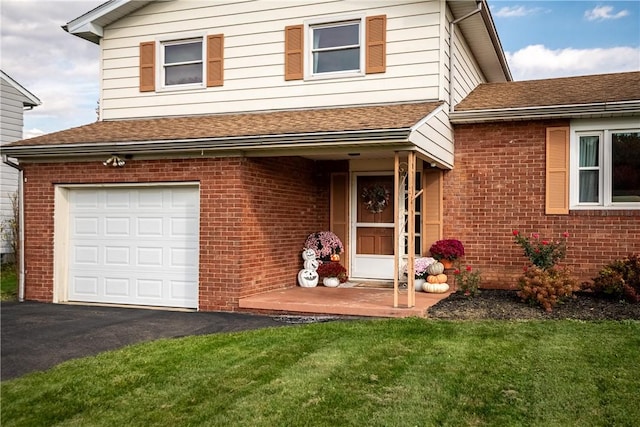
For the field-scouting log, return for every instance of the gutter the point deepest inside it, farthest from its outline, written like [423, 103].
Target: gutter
[283, 141]
[547, 112]
[21, 269]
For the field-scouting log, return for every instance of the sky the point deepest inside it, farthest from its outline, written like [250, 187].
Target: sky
[541, 39]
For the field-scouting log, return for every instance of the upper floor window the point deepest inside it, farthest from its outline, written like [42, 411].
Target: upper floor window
[336, 47]
[329, 47]
[182, 62]
[606, 170]
[191, 62]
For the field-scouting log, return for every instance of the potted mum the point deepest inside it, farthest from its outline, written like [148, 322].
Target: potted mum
[446, 251]
[325, 244]
[332, 274]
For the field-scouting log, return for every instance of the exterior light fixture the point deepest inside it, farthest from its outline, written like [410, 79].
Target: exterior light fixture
[114, 161]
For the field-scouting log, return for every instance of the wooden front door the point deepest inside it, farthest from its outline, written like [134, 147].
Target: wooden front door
[372, 230]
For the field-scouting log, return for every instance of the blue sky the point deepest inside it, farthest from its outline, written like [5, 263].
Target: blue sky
[541, 39]
[546, 39]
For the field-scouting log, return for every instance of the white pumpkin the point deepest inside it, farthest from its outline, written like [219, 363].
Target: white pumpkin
[435, 288]
[435, 268]
[308, 254]
[307, 278]
[311, 264]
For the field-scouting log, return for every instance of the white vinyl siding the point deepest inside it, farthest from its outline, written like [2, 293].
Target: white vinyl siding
[466, 72]
[254, 57]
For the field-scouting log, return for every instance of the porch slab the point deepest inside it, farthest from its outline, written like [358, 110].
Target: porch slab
[349, 301]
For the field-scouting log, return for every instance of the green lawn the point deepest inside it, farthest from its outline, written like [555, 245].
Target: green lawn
[401, 372]
[8, 283]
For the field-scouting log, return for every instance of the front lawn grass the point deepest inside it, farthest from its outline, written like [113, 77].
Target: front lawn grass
[8, 283]
[399, 372]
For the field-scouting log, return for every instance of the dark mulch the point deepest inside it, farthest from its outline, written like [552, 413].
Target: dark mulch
[502, 304]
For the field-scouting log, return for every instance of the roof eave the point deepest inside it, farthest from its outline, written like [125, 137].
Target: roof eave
[480, 32]
[242, 143]
[90, 26]
[625, 108]
[29, 100]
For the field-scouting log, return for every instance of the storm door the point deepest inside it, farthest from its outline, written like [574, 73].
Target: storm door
[373, 227]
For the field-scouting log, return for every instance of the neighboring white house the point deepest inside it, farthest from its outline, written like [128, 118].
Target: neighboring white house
[14, 99]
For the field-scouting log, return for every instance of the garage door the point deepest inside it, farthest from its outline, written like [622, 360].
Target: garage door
[134, 246]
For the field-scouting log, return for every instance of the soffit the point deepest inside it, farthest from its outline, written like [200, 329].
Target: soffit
[90, 26]
[482, 37]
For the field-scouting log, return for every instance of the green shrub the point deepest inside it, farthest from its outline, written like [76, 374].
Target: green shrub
[620, 279]
[546, 287]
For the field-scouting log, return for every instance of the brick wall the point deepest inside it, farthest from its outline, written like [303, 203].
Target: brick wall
[254, 217]
[498, 185]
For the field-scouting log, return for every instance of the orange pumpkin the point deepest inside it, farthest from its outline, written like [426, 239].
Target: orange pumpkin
[442, 278]
[432, 279]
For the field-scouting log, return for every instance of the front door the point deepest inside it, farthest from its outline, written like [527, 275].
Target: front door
[372, 230]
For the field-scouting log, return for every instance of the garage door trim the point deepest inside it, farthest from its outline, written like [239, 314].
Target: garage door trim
[62, 261]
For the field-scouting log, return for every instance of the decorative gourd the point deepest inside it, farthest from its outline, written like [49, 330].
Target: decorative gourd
[435, 288]
[308, 254]
[435, 268]
[432, 279]
[311, 264]
[307, 278]
[442, 278]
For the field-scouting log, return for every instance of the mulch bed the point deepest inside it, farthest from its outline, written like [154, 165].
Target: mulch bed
[505, 305]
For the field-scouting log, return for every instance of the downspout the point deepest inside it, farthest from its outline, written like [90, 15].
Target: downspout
[8, 162]
[452, 26]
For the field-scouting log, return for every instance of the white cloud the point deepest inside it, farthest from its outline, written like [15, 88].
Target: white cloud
[601, 13]
[538, 62]
[32, 133]
[514, 11]
[60, 69]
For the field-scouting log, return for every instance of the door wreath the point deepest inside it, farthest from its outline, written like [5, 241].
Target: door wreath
[376, 198]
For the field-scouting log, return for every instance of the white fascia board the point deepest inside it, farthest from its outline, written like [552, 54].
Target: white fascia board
[624, 108]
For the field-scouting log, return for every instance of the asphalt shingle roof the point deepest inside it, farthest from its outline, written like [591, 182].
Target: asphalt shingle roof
[380, 117]
[554, 92]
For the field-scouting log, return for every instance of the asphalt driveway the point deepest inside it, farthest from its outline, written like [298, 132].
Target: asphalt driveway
[37, 336]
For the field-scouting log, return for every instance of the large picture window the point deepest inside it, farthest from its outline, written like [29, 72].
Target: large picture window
[625, 167]
[182, 62]
[606, 168]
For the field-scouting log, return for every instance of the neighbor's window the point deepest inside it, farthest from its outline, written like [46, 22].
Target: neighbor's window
[336, 47]
[608, 168]
[182, 62]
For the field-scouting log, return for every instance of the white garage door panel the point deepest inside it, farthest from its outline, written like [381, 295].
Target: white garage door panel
[134, 246]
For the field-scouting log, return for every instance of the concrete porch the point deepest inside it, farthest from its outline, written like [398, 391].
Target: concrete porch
[347, 300]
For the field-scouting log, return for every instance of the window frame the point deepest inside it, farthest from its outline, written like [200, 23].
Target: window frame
[170, 41]
[604, 129]
[328, 22]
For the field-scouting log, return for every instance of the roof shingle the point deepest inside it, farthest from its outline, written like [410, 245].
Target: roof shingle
[380, 117]
[554, 92]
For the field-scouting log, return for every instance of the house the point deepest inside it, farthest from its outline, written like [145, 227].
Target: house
[230, 131]
[14, 100]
